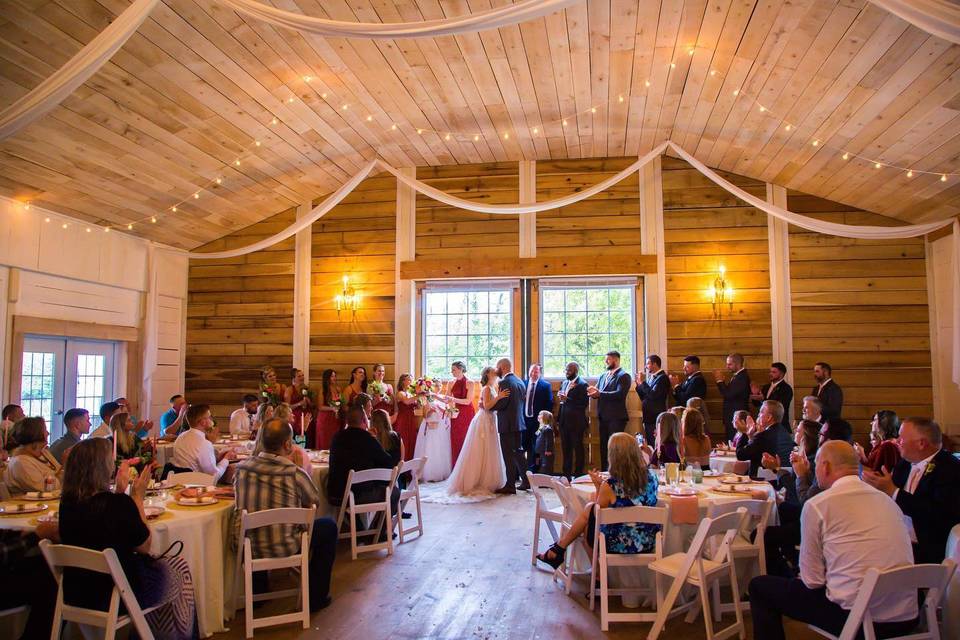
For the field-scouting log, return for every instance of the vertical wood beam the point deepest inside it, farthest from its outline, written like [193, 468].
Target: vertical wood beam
[404, 312]
[781, 308]
[651, 242]
[528, 221]
[302, 263]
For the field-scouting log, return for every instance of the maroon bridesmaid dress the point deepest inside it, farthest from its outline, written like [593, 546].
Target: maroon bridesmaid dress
[460, 424]
[328, 423]
[406, 427]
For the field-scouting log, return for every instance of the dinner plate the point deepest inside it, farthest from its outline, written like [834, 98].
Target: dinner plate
[53, 516]
[735, 480]
[21, 509]
[712, 474]
[679, 491]
[731, 488]
[36, 496]
[202, 501]
[153, 512]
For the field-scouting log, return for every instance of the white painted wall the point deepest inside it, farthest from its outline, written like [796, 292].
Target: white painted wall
[941, 273]
[48, 271]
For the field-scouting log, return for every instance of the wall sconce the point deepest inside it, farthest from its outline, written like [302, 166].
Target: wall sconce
[348, 299]
[721, 293]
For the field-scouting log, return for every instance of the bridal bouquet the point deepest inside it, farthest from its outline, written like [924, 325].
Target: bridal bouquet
[425, 389]
[377, 389]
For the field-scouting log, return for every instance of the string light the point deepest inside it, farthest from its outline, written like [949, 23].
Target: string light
[344, 107]
[153, 219]
[257, 143]
[476, 138]
[307, 78]
[943, 178]
[593, 109]
[64, 225]
[845, 156]
[88, 229]
[324, 95]
[506, 136]
[621, 98]
[130, 227]
[646, 83]
[713, 72]
[106, 229]
[691, 52]
[762, 109]
[876, 165]
[219, 181]
[290, 100]
[196, 196]
[788, 127]
[237, 162]
[816, 143]
[393, 127]
[446, 137]
[736, 92]
[673, 65]
[274, 121]
[535, 131]
[174, 209]
[46, 219]
[26, 206]
[369, 118]
[910, 174]
[564, 123]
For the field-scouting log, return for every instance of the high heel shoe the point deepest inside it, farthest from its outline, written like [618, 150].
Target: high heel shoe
[558, 555]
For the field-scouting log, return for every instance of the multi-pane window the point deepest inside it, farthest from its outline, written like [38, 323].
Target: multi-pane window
[37, 384]
[90, 378]
[581, 324]
[473, 326]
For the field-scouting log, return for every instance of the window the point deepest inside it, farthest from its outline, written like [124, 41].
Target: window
[37, 384]
[91, 370]
[474, 326]
[582, 323]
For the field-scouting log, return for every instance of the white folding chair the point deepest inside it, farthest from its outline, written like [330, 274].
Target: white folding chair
[298, 561]
[758, 517]
[951, 600]
[691, 568]
[602, 561]
[577, 557]
[351, 508]
[906, 581]
[412, 492]
[191, 477]
[61, 556]
[541, 483]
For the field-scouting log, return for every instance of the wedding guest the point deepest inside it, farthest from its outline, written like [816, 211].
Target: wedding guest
[12, 413]
[847, 529]
[924, 486]
[264, 413]
[298, 396]
[328, 413]
[365, 402]
[300, 457]
[462, 392]
[654, 391]
[31, 467]
[884, 436]
[382, 430]
[271, 389]
[129, 444]
[357, 384]
[539, 397]
[381, 391]
[631, 484]
[173, 421]
[192, 450]
[836, 429]
[766, 435]
[143, 431]
[406, 422]
[740, 426]
[777, 389]
[812, 409]
[677, 411]
[76, 423]
[693, 384]
[827, 391]
[736, 392]
[25, 579]
[573, 419]
[107, 411]
[243, 420]
[698, 403]
[696, 443]
[94, 517]
[543, 463]
[611, 394]
[668, 438]
[272, 480]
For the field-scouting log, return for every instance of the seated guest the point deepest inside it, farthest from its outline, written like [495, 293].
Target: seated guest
[284, 412]
[272, 480]
[242, 421]
[76, 423]
[924, 485]
[667, 446]
[677, 411]
[740, 426]
[848, 529]
[696, 443]
[812, 409]
[382, 430]
[192, 450]
[884, 448]
[631, 484]
[766, 435]
[264, 413]
[12, 414]
[143, 426]
[94, 517]
[701, 406]
[129, 444]
[173, 421]
[365, 402]
[31, 467]
[107, 410]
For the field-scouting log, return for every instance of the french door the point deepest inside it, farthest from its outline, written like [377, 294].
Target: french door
[62, 373]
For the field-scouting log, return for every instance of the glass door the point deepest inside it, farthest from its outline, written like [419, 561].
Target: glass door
[89, 376]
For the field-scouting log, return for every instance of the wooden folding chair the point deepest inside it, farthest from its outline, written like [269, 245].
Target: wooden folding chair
[350, 507]
[540, 484]
[412, 492]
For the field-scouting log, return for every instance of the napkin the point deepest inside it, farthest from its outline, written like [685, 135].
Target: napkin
[741, 467]
[684, 509]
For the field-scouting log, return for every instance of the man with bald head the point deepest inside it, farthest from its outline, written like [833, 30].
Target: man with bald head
[510, 426]
[272, 480]
[848, 528]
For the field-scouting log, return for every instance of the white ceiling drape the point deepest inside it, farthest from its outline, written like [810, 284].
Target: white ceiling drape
[937, 17]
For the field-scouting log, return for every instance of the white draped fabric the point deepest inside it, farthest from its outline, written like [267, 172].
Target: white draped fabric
[75, 72]
[937, 17]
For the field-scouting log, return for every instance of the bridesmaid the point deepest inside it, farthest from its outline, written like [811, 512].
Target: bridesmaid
[358, 385]
[406, 423]
[461, 394]
[302, 406]
[387, 401]
[328, 411]
[271, 391]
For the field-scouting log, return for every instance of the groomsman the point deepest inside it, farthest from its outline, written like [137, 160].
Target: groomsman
[653, 392]
[736, 392]
[693, 386]
[573, 420]
[539, 397]
[827, 391]
[611, 394]
[778, 389]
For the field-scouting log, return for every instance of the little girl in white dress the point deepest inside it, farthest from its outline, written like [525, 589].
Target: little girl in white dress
[433, 441]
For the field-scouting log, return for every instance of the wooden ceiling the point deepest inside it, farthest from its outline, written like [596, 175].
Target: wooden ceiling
[198, 84]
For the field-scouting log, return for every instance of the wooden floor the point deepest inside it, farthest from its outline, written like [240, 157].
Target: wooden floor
[468, 577]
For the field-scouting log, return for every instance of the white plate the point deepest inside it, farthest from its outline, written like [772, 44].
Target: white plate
[36, 496]
[53, 516]
[153, 512]
[735, 480]
[197, 502]
[712, 474]
[18, 509]
[679, 491]
[731, 488]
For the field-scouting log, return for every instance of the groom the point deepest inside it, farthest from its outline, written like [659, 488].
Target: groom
[510, 426]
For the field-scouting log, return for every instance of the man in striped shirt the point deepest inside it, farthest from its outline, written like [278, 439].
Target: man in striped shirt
[272, 480]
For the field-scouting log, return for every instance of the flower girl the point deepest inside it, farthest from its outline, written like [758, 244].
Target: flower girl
[433, 437]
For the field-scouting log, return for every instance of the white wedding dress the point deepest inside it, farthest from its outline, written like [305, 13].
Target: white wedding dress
[433, 442]
[480, 469]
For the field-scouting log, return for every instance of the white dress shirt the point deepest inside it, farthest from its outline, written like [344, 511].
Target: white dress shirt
[846, 530]
[193, 451]
[103, 431]
[241, 421]
[772, 387]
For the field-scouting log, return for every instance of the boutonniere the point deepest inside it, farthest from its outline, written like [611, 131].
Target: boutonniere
[930, 467]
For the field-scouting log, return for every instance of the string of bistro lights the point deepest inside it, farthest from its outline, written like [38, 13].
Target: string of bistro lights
[475, 136]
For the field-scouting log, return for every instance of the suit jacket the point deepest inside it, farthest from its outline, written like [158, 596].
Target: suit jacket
[934, 506]
[573, 409]
[653, 397]
[782, 393]
[510, 409]
[695, 386]
[736, 395]
[612, 401]
[542, 401]
[774, 440]
[832, 398]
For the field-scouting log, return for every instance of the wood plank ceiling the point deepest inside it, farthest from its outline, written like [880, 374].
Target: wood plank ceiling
[198, 85]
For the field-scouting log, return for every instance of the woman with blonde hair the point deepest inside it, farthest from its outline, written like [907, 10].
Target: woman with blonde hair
[667, 447]
[129, 444]
[299, 457]
[701, 406]
[631, 484]
[382, 430]
[696, 444]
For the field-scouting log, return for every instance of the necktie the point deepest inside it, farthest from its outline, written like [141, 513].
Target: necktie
[916, 473]
[250, 419]
[530, 388]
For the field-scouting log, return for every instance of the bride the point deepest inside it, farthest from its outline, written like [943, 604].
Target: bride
[480, 468]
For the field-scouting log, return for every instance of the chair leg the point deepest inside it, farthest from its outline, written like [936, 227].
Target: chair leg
[419, 514]
[663, 610]
[305, 587]
[604, 595]
[536, 537]
[353, 535]
[553, 530]
[717, 605]
[248, 598]
[737, 609]
[705, 599]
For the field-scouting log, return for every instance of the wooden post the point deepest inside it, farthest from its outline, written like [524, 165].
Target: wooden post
[301, 293]
[781, 320]
[528, 221]
[406, 295]
[651, 242]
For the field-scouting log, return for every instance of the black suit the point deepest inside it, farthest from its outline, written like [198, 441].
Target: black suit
[541, 400]
[774, 440]
[510, 426]
[573, 424]
[611, 407]
[736, 397]
[695, 386]
[782, 393]
[653, 401]
[831, 395]
[934, 505]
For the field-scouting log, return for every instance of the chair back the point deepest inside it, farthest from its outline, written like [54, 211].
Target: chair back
[415, 468]
[726, 525]
[191, 477]
[758, 514]
[371, 475]
[539, 484]
[572, 505]
[268, 517]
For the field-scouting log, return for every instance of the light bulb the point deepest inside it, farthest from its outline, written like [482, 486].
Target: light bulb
[943, 178]
[237, 162]
[788, 127]
[593, 109]
[64, 225]
[476, 138]
[876, 165]
[344, 107]
[723, 269]
[46, 219]
[257, 142]
[506, 136]
[274, 121]
[307, 78]
[910, 173]
[324, 95]
[620, 98]
[536, 130]
[564, 123]
[845, 156]
[816, 143]
[26, 206]
[106, 229]
[713, 72]
[369, 118]
[219, 180]
[419, 131]
[153, 219]
[446, 137]
[762, 108]
[290, 99]
[646, 83]
[393, 127]
[691, 52]
[196, 196]
[130, 226]
[673, 65]
[736, 92]
[88, 229]
[174, 209]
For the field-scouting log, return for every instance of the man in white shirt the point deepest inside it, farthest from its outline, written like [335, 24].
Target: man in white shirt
[241, 420]
[192, 450]
[847, 529]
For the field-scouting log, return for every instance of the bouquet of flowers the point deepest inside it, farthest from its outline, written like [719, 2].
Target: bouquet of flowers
[375, 388]
[270, 394]
[306, 392]
[425, 389]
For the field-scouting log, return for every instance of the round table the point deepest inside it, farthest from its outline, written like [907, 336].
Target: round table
[165, 449]
[723, 462]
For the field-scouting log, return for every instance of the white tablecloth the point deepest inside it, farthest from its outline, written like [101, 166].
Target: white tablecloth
[723, 463]
[165, 449]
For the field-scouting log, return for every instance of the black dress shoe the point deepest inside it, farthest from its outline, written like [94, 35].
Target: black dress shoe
[524, 487]
[406, 516]
[506, 491]
[320, 604]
